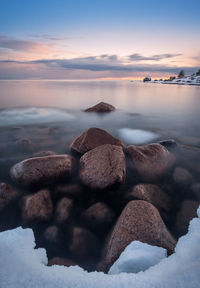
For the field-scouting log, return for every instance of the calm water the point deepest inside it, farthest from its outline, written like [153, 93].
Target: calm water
[38, 115]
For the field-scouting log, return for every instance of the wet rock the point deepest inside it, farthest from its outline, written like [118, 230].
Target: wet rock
[84, 245]
[101, 107]
[152, 194]
[195, 189]
[61, 261]
[103, 166]
[169, 144]
[52, 234]
[140, 221]
[182, 177]
[187, 212]
[7, 195]
[93, 138]
[98, 217]
[150, 161]
[63, 210]
[72, 189]
[37, 207]
[42, 170]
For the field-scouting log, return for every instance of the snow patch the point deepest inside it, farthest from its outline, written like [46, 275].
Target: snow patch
[138, 257]
[33, 115]
[136, 136]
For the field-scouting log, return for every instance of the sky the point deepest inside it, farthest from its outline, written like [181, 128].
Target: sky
[98, 39]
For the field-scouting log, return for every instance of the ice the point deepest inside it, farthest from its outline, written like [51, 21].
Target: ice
[21, 266]
[138, 257]
[33, 115]
[136, 136]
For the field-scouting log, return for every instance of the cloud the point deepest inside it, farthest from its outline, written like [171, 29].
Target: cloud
[137, 57]
[21, 45]
[50, 37]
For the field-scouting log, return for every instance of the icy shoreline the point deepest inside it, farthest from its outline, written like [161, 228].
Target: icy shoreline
[190, 80]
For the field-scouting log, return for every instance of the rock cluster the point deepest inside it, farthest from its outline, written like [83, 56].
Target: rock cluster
[85, 210]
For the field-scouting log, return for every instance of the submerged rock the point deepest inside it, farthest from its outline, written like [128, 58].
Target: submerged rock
[70, 189]
[140, 221]
[63, 210]
[182, 177]
[61, 261]
[52, 234]
[103, 166]
[187, 212]
[7, 195]
[101, 107]
[195, 189]
[150, 161]
[93, 138]
[98, 217]
[37, 207]
[42, 170]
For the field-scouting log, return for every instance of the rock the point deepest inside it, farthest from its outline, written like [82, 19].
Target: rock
[152, 194]
[63, 210]
[7, 195]
[37, 207]
[70, 189]
[140, 221]
[169, 144]
[182, 177]
[61, 261]
[150, 161]
[195, 189]
[52, 235]
[83, 244]
[42, 170]
[103, 166]
[101, 107]
[44, 153]
[98, 217]
[25, 145]
[187, 212]
[93, 138]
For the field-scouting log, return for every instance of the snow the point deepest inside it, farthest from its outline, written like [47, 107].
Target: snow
[136, 136]
[189, 80]
[138, 257]
[33, 115]
[21, 266]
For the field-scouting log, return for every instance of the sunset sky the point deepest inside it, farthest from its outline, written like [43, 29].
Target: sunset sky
[98, 39]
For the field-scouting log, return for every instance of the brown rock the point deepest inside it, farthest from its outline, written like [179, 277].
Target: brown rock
[98, 217]
[70, 189]
[63, 210]
[140, 221]
[151, 161]
[42, 170]
[152, 194]
[83, 244]
[7, 195]
[37, 207]
[182, 177]
[93, 138]
[187, 212]
[52, 234]
[103, 166]
[61, 261]
[101, 107]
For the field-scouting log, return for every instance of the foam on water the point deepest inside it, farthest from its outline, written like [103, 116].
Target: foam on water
[33, 115]
[136, 136]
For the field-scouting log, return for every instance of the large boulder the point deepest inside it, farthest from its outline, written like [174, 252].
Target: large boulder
[98, 217]
[7, 195]
[63, 210]
[101, 107]
[83, 244]
[187, 212]
[61, 261]
[150, 161]
[140, 221]
[152, 194]
[42, 170]
[37, 207]
[92, 138]
[103, 166]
